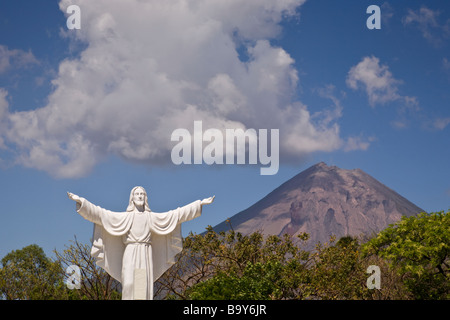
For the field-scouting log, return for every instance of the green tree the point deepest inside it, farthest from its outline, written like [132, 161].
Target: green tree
[337, 271]
[233, 266]
[259, 281]
[419, 247]
[28, 274]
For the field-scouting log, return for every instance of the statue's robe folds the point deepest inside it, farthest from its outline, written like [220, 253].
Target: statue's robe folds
[136, 245]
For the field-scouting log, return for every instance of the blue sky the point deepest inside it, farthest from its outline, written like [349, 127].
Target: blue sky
[91, 111]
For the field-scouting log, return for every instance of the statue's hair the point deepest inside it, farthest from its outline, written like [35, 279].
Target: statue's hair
[131, 205]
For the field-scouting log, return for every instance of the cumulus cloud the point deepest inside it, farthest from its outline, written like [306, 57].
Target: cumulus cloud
[378, 82]
[150, 67]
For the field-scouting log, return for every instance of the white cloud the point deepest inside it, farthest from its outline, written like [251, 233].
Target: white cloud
[357, 143]
[446, 64]
[151, 67]
[387, 14]
[441, 123]
[427, 21]
[3, 104]
[424, 17]
[378, 82]
[15, 58]
[3, 114]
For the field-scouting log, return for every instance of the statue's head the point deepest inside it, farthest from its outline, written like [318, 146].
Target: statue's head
[138, 196]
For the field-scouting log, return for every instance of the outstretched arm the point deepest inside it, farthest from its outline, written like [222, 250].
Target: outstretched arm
[115, 223]
[86, 209]
[165, 222]
[193, 210]
[208, 200]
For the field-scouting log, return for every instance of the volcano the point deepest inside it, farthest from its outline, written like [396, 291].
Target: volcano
[323, 201]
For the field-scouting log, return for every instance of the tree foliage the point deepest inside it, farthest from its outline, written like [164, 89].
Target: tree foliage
[248, 267]
[233, 266]
[419, 247]
[29, 274]
[412, 256]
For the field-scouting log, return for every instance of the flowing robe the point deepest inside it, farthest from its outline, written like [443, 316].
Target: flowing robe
[136, 248]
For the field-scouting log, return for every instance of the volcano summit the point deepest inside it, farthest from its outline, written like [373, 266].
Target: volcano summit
[323, 201]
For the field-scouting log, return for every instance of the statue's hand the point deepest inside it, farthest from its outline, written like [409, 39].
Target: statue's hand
[74, 197]
[208, 200]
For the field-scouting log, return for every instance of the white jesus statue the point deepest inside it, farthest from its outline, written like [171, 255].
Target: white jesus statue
[137, 246]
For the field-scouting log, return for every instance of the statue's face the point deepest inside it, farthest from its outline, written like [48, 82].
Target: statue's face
[139, 196]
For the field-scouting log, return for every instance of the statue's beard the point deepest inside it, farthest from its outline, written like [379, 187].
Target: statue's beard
[139, 202]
